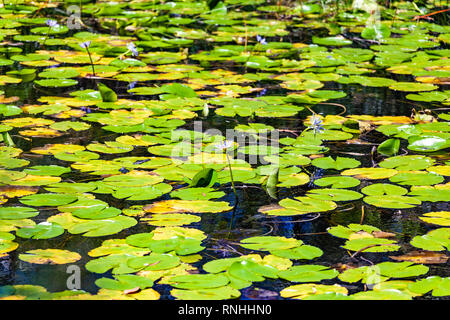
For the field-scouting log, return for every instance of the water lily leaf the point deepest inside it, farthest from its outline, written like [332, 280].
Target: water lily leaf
[441, 218]
[427, 143]
[109, 147]
[412, 86]
[116, 262]
[124, 282]
[337, 182]
[302, 291]
[405, 163]
[43, 230]
[392, 201]
[171, 219]
[382, 189]
[298, 253]
[198, 281]
[389, 147]
[248, 270]
[116, 246]
[197, 194]
[308, 273]
[48, 199]
[180, 206]
[370, 173]
[441, 170]
[51, 170]
[388, 294]
[302, 205]
[334, 194]
[204, 178]
[371, 245]
[6, 243]
[439, 286]
[435, 240]
[220, 293]
[143, 192]
[382, 272]
[416, 178]
[17, 213]
[332, 41]
[102, 227]
[107, 94]
[269, 243]
[154, 261]
[430, 193]
[56, 83]
[49, 256]
[424, 257]
[337, 164]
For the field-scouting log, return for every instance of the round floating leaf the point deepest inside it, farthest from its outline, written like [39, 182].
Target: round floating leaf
[124, 282]
[303, 252]
[308, 273]
[102, 227]
[269, 243]
[427, 143]
[334, 194]
[417, 178]
[381, 189]
[48, 199]
[439, 286]
[412, 86]
[43, 230]
[220, 293]
[6, 243]
[198, 281]
[392, 201]
[49, 256]
[16, 213]
[51, 170]
[302, 205]
[302, 291]
[435, 240]
[338, 164]
[197, 194]
[371, 245]
[337, 182]
[441, 218]
[406, 163]
[370, 173]
[171, 219]
[56, 83]
[154, 262]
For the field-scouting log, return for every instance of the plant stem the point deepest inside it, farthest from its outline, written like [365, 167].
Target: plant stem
[92, 63]
[231, 177]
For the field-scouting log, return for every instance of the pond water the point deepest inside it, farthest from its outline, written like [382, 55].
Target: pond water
[101, 174]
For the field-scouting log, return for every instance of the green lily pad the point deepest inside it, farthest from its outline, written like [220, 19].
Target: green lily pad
[49, 256]
[43, 230]
[308, 273]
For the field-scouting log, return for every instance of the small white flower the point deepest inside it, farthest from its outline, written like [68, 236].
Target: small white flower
[316, 124]
[226, 144]
[133, 49]
[85, 44]
[52, 23]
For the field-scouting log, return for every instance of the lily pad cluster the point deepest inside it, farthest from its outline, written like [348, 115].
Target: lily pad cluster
[99, 140]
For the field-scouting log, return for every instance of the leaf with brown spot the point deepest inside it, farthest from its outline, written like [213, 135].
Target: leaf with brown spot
[17, 191]
[424, 257]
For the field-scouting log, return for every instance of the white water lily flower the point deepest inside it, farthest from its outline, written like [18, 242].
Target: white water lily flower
[226, 144]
